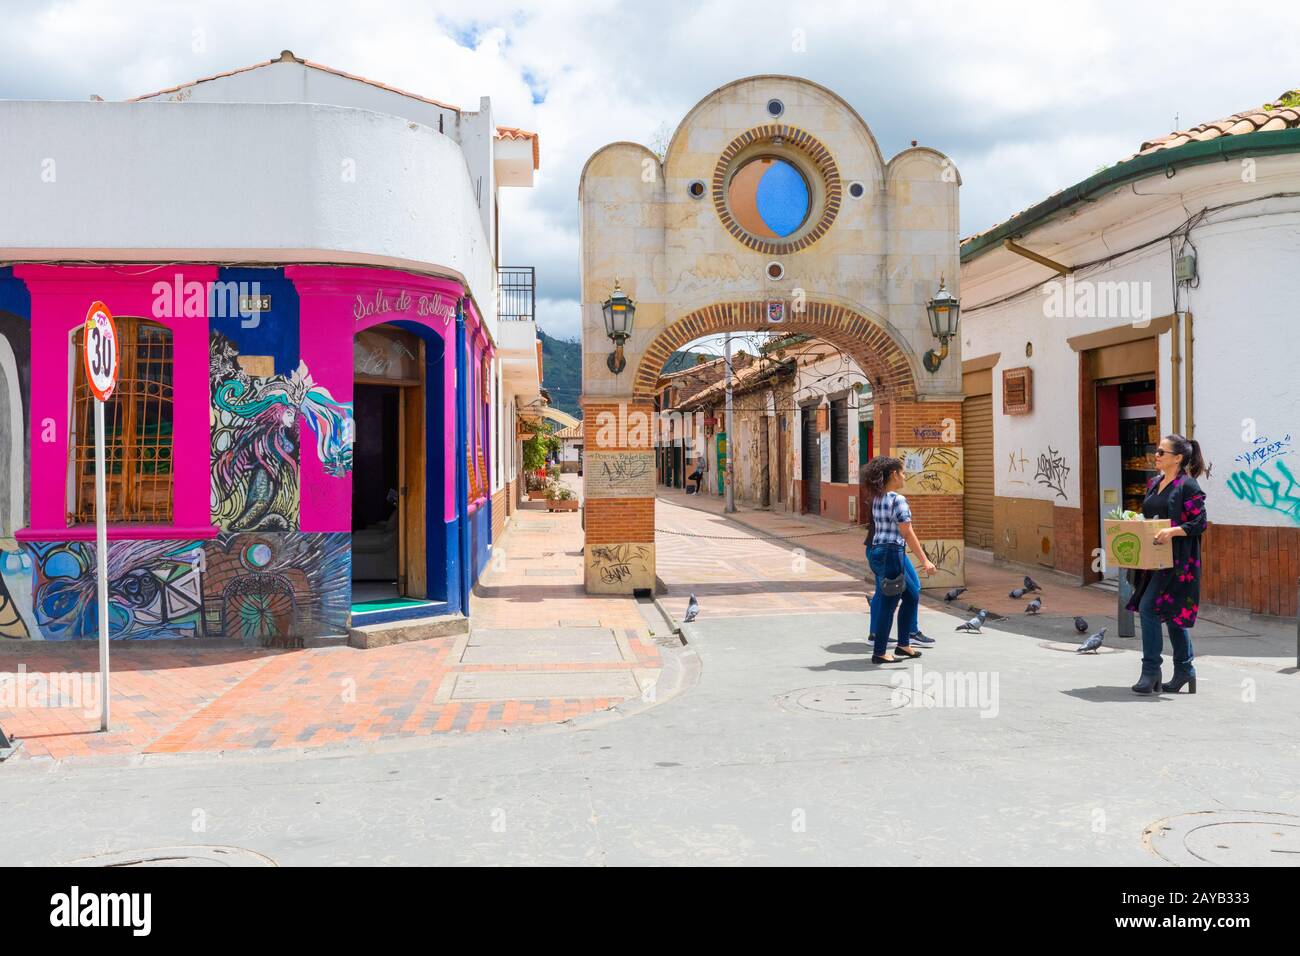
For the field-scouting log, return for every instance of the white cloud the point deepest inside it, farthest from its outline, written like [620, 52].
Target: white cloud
[1026, 97]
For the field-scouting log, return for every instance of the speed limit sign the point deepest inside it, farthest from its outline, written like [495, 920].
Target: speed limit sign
[100, 349]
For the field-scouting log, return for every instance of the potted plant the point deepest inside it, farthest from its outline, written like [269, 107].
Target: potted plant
[536, 486]
[560, 498]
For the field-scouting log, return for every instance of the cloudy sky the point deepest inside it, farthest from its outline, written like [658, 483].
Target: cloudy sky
[1025, 97]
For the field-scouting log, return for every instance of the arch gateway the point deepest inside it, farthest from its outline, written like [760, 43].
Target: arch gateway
[773, 209]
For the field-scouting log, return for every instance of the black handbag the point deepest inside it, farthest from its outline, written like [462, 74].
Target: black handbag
[892, 587]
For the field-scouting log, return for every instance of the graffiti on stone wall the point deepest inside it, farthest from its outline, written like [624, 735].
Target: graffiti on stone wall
[619, 474]
[255, 440]
[1270, 487]
[261, 589]
[932, 470]
[1052, 471]
[948, 558]
[615, 564]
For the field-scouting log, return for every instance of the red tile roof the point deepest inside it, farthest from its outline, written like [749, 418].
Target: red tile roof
[1268, 117]
[1283, 114]
[512, 132]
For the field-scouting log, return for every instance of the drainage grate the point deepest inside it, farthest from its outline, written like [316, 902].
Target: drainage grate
[1226, 838]
[853, 700]
[233, 856]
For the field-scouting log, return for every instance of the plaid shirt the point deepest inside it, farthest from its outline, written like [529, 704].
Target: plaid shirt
[887, 512]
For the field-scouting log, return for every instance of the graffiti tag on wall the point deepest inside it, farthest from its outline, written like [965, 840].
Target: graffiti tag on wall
[1052, 471]
[1018, 468]
[614, 564]
[1263, 450]
[619, 474]
[933, 470]
[1271, 487]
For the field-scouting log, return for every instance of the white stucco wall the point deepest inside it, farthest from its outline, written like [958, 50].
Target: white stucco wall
[238, 182]
[1247, 337]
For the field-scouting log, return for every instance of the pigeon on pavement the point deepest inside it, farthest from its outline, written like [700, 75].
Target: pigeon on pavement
[1092, 643]
[1080, 625]
[1031, 584]
[692, 610]
[1017, 593]
[954, 594]
[974, 624]
[1034, 606]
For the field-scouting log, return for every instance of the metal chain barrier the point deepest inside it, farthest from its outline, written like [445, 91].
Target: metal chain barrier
[751, 537]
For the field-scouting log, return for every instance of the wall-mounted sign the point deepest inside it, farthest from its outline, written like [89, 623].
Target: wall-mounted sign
[1017, 391]
[775, 312]
[619, 474]
[249, 304]
[439, 305]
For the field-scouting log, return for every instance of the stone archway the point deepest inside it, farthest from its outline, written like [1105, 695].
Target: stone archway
[620, 531]
[849, 256]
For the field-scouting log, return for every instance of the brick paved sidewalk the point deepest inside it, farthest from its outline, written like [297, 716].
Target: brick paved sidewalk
[988, 584]
[168, 700]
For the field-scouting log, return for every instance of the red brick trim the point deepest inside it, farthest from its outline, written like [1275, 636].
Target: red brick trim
[881, 359]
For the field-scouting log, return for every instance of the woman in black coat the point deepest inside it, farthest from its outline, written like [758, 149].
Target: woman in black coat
[1172, 596]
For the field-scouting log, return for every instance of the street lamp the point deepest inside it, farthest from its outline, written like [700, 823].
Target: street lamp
[943, 310]
[619, 311]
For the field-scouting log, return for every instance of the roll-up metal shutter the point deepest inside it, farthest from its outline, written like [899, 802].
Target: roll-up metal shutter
[977, 444]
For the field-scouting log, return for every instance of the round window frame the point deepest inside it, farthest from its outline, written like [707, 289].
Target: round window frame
[813, 161]
[800, 171]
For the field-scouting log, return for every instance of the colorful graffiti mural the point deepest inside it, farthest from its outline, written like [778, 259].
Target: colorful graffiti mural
[255, 440]
[154, 590]
[275, 589]
[263, 589]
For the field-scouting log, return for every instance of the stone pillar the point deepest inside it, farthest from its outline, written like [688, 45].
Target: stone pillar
[618, 480]
[928, 437]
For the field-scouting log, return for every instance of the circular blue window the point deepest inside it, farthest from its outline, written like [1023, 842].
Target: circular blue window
[769, 197]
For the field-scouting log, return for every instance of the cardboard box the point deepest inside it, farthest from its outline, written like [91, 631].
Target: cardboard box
[1129, 544]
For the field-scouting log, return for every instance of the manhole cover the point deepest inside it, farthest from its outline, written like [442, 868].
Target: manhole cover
[1226, 838]
[178, 856]
[1074, 648]
[852, 700]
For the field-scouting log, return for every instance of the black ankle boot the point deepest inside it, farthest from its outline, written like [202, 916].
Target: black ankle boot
[1181, 678]
[1149, 683]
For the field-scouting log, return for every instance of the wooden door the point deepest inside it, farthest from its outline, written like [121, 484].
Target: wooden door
[411, 561]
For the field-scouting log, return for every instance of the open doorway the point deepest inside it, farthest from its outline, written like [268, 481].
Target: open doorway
[375, 493]
[390, 482]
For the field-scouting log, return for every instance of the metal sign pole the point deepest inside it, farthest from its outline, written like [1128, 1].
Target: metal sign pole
[101, 562]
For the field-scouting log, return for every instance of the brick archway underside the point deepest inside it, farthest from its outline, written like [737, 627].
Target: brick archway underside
[870, 346]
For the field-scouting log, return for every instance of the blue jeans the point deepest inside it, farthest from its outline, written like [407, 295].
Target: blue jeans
[1153, 640]
[889, 561]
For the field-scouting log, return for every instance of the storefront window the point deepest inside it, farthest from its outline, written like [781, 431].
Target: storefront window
[137, 429]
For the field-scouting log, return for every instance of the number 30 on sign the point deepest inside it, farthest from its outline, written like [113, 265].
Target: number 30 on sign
[100, 348]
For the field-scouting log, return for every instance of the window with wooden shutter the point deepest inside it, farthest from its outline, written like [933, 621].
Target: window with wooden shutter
[137, 429]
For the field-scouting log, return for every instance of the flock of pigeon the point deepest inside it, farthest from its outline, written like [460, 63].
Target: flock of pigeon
[1091, 645]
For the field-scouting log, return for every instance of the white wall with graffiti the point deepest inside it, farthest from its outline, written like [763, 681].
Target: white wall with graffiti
[1036, 455]
[1247, 388]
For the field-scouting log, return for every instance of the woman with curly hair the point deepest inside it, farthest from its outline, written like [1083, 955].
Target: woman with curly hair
[1172, 596]
[889, 533]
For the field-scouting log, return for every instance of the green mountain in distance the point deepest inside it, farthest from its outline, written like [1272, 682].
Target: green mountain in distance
[562, 370]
